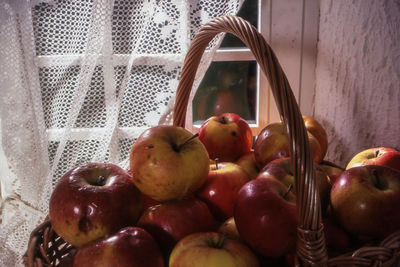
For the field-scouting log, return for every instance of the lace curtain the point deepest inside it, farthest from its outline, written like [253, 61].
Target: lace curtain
[79, 81]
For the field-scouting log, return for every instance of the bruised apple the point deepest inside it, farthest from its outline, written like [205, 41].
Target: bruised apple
[226, 137]
[91, 201]
[168, 162]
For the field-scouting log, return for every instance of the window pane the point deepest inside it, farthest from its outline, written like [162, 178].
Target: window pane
[248, 11]
[227, 87]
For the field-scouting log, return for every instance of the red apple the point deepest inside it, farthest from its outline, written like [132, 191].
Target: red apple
[229, 229]
[226, 137]
[148, 202]
[170, 221]
[167, 163]
[266, 217]
[273, 143]
[384, 156]
[129, 247]
[248, 163]
[91, 201]
[221, 188]
[366, 200]
[337, 239]
[318, 131]
[281, 169]
[211, 249]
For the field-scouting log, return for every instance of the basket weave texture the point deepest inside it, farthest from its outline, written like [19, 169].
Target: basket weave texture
[46, 248]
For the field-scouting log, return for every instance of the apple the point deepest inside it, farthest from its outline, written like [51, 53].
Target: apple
[147, 202]
[266, 217]
[91, 201]
[384, 156]
[318, 131]
[229, 229]
[130, 247]
[336, 238]
[332, 170]
[281, 169]
[248, 162]
[211, 249]
[167, 162]
[366, 199]
[273, 143]
[170, 221]
[221, 187]
[226, 137]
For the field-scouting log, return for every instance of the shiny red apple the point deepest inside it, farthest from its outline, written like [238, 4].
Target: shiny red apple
[170, 221]
[129, 247]
[91, 201]
[211, 249]
[220, 190]
[226, 137]
[384, 156]
[366, 199]
[281, 169]
[266, 217]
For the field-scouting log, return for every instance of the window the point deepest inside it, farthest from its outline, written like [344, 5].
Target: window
[234, 83]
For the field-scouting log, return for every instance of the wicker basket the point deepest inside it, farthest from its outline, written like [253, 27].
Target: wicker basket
[45, 248]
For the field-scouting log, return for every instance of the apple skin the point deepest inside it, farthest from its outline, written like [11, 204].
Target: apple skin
[91, 201]
[281, 169]
[211, 249]
[129, 247]
[249, 164]
[229, 229]
[332, 170]
[165, 166]
[337, 239]
[170, 221]
[226, 137]
[273, 143]
[266, 217]
[365, 200]
[384, 156]
[220, 190]
[318, 131]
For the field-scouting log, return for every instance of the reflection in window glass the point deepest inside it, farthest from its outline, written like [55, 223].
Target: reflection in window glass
[227, 87]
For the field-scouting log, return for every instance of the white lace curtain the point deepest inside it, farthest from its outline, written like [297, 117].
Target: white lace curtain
[79, 81]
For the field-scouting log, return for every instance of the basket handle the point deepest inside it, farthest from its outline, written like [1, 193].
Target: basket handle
[311, 248]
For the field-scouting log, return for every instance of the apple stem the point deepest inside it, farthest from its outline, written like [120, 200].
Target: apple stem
[186, 141]
[377, 153]
[288, 190]
[102, 180]
[216, 163]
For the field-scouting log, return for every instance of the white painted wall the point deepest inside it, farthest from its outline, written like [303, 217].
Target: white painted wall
[357, 95]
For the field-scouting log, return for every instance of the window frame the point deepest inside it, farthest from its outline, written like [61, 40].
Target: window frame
[296, 23]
